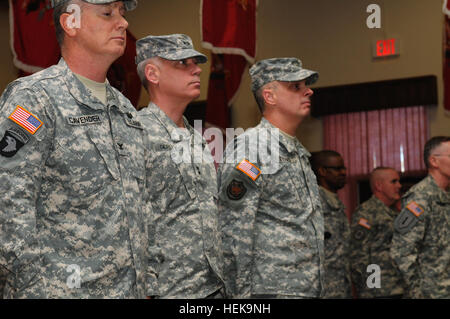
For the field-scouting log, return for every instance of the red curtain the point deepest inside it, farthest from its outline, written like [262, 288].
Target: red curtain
[229, 31]
[33, 39]
[392, 137]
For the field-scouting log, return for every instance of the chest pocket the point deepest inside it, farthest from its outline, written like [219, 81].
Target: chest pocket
[175, 170]
[84, 160]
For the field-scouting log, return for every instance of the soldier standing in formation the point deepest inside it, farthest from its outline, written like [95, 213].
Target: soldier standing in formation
[181, 177]
[372, 231]
[331, 176]
[269, 207]
[72, 169]
[421, 242]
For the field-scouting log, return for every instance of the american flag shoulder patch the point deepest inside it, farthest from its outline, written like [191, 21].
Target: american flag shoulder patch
[415, 208]
[364, 223]
[249, 169]
[25, 119]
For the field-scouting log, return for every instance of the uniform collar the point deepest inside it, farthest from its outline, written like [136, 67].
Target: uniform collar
[84, 96]
[443, 196]
[331, 198]
[291, 146]
[167, 122]
[379, 203]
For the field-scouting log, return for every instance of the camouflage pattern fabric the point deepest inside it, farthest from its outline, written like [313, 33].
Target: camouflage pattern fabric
[272, 226]
[280, 69]
[71, 191]
[421, 242]
[372, 231]
[172, 47]
[129, 4]
[184, 197]
[337, 246]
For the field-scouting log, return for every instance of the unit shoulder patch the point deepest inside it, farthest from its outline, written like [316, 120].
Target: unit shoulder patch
[236, 190]
[405, 221]
[10, 144]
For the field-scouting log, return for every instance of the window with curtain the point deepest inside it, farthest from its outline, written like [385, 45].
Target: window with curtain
[389, 137]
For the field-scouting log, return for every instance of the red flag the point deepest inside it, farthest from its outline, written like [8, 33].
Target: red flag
[229, 30]
[33, 39]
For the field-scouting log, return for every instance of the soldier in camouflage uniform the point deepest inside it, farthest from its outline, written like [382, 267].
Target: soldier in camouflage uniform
[72, 170]
[183, 191]
[331, 176]
[372, 231]
[421, 242]
[269, 205]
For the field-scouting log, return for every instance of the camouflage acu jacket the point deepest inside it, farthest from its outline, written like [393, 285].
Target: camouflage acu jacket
[421, 242]
[337, 246]
[71, 175]
[272, 222]
[183, 193]
[372, 231]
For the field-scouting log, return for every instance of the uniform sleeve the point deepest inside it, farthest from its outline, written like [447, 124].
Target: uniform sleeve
[409, 232]
[22, 156]
[359, 252]
[238, 203]
[153, 214]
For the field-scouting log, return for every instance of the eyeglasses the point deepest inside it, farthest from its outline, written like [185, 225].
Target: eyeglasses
[338, 168]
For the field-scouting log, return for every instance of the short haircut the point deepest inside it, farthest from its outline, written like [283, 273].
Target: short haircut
[259, 96]
[141, 69]
[318, 159]
[432, 144]
[259, 100]
[374, 174]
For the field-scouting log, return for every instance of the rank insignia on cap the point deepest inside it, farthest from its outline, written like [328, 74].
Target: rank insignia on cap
[25, 120]
[415, 209]
[236, 190]
[364, 223]
[249, 169]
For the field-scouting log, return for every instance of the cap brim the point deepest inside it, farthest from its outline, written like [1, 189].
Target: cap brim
[130, 5]
[186, 54]
[311, 77]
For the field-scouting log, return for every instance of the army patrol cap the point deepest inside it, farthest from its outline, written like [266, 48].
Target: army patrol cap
[280, 69]
[129, 4]
[172, 47]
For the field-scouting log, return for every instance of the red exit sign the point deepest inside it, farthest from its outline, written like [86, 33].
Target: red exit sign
[384, 48]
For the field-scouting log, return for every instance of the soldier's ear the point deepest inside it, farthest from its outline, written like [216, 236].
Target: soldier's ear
[152, 73]
[68, 24]
[269, 96]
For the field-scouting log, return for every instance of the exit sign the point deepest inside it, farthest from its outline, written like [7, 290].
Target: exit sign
[385, 48]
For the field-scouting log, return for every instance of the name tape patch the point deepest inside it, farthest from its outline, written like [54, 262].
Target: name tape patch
[25, 119]
[84, 119]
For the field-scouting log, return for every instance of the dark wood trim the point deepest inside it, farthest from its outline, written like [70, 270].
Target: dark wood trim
[375, 95]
